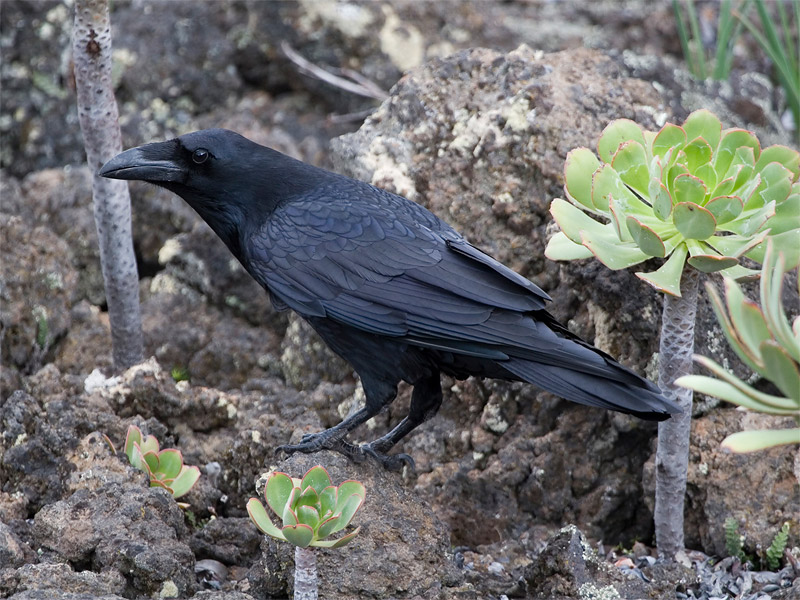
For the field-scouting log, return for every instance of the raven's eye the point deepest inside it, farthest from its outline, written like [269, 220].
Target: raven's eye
[200, 156]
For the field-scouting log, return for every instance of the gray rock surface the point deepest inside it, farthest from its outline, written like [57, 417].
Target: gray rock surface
[123, 527]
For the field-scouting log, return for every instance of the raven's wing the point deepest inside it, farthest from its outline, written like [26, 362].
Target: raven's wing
[389, 266]
[379, 264]
[385, 265]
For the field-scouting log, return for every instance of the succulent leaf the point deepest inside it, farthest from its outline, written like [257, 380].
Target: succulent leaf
[788, 157]
[731, 144]
[328, 526]
[751, 221]
[689, 189]
[751, 441]
[698, 153]
[693, 221]
[647, 239]
[347, 511]
[316, 477]
[728, 329]
[672, 174]
[170, 462]
[711, 192]
[300, 535]
[775, 186]
[667, 278]
[616, 133]
[725, 208]
[748, 322]
[560, 247]
[185, 480]
[606, 182]
[705, 124]
[134, 436]
[581, 163]
[258, 514]
[736, 245]
[308, 515]
[137, 460]
[346, 489]
[611, 252]
[707, 174]
[289, 516]
[151, 459]
[307, 497]
[781, 370]
[572, 220]
[670, 137]
[711, 263]
[630, 161]
[661, 199]
[771, 303]
[725, 187]
[278, 489]
[752, 398]
[327, 501]
[345, 539]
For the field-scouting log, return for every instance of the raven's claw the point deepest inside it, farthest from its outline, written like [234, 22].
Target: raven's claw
[314, 442]
[390, 462]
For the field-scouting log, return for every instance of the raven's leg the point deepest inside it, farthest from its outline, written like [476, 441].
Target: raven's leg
[425, 402]
[379, 393]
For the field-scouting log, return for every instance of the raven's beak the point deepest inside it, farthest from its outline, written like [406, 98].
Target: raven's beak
[151, 162]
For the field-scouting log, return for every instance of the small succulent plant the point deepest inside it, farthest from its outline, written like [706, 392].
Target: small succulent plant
[165, 467]
[694, 193]
[769, 344]
[310, 509]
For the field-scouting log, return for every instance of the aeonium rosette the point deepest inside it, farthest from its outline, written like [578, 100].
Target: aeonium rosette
[165, 467]
[310, 509]
[694, 193]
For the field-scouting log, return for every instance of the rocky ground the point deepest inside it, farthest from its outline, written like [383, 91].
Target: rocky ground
[516, 493]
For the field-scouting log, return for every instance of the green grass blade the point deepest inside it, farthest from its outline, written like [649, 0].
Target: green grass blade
[780, 52]
[727, 33]
[787, 38]
[683, 36]
[785, 67]
[694, 25]
[797, 49]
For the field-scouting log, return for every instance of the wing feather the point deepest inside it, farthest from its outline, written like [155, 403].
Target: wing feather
[391, 267]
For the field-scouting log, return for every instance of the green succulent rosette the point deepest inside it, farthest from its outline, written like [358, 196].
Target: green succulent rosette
[693, 193]
[310, 509]
[165, 467]
[769, 343]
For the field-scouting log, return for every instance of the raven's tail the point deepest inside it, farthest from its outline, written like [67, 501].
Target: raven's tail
[615, 387]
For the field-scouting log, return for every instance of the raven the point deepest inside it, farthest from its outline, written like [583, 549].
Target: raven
[389, 287]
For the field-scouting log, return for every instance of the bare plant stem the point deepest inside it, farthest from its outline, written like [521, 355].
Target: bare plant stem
[672, 454]
[305, 574]
[99, 119]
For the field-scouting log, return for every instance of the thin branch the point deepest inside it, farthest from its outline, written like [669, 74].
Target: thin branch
[99, 121]
[356, 84]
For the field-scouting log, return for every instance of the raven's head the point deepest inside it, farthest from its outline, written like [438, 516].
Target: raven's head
[232, 182]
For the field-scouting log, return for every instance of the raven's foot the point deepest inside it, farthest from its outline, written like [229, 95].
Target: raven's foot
[330, 439]
[314, 442]
[390, 462]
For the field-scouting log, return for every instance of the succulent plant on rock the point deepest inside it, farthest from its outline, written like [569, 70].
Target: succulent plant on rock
[701, 197]
[165, 467]
[693, 194]
[310, 509]
[769, 344]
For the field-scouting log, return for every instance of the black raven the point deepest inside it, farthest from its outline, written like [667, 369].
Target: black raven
[390, 287]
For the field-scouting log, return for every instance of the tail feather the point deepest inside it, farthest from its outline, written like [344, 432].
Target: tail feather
[621, 390]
